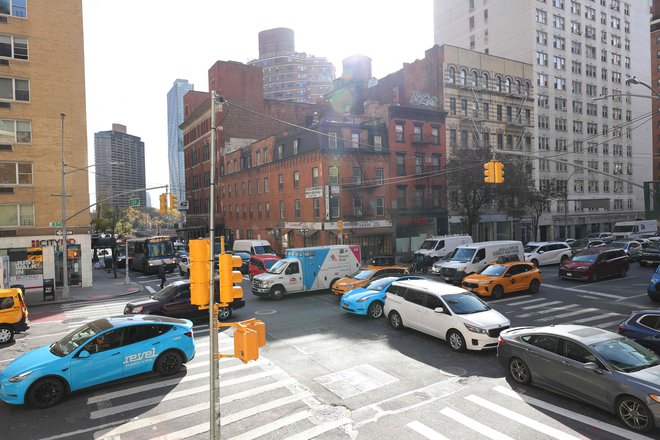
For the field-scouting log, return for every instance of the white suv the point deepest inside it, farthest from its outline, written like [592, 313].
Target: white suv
[541, 253]
[447, 312]
[184, 266]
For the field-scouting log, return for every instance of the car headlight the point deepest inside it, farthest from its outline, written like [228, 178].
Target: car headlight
[581, 268]
[265, 283]
[137, 309]
[485, 283]
[655, 397]
[365, 298]
[474, 329]
[20, 377]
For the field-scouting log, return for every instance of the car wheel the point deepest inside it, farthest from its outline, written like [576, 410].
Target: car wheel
[224, 313]
[395, 320]
[46, 393]
[456, 341]
[623, 272]
[375, 310]
[655, 298]
[168, 363]
[634, 414]
[564, 258]
[277, 293]
[497, 293]
[519, 371]
[535, 262]
[332, 283]
[594, 277]
[534, 286]
[6, 334]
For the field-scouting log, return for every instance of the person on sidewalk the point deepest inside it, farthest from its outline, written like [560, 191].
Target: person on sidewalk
[161, 275]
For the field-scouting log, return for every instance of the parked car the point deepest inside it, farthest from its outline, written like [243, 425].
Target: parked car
[604, 236]
[363, 276]
[594, 264]
[632, 248]
[570, 241]
[592, 365]
[644, 327]
[184, 265]
[260, 263]
[582, 244]
[652, 290]
[547, 252]
[174, 300]
[650, 255]
[497, 279]
[369, 299]
[445, 311]
[98, 352]
[13, 314]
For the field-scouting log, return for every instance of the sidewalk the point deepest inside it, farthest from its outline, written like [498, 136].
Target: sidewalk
[104, 286]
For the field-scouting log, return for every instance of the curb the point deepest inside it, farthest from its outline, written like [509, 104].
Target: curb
[132, 291]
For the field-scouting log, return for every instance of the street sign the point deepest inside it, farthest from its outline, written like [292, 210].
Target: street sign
[55, 224]
[134, 202]
[68, 232]
[183, 205]
[313, 192]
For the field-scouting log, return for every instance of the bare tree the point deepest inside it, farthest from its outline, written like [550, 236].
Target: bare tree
[111, 220]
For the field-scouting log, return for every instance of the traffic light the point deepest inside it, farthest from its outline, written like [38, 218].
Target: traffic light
[200, 255]
[489, 172]
[229, 277]
[163, 204]
[174, 203]
[248, 337]
[499, 172]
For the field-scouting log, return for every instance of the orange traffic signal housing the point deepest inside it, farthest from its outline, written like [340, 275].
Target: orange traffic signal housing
[499, 172]
[248, 337]
[229, 277]
[489, 172]
[200, 254]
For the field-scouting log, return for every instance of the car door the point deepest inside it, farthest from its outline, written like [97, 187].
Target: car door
[577, 381]
[179, 305]
[143, 345]
[293, 277]
[438, 323]
[633, 249]
[413, 306]
[541, 354]
[544, 254]
[512, 278]
[104, 363]
[647, 331]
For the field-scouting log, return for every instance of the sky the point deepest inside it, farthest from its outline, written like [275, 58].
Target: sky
[136, 49]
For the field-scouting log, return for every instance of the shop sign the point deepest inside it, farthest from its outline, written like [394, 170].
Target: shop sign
[52, 242]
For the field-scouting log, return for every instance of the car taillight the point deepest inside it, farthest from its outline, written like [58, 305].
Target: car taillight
[189, 334]
[621, 329]
[500, 340]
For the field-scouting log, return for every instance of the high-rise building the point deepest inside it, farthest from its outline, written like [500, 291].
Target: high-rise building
[593, 143]
[120, 174]
[42, 106]
[175, 137]
[290, 75]
[655, 77]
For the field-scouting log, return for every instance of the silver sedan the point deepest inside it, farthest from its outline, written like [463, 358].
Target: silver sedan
[595, 366]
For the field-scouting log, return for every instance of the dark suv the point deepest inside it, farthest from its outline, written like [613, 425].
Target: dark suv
[593, 264]
[174, 301]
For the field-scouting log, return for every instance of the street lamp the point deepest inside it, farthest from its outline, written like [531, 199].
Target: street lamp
[304, 230]
[633, 80]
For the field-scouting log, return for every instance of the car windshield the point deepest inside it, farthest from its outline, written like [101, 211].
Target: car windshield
[585, 258]
[160, 248]
[618, 244]
[278, 267]
[78, 337]
[654, 244]
[267, 249]
[428, 244]
[363, 274]
[463, 254]
[530, 248]
[580, 243]
[626, 355]
[465, 303]
[494, 270]
[621, 228]
[380, 283]
[269, 263]
[165, 293]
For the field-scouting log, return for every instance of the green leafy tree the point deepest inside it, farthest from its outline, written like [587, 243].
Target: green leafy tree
[109, 219]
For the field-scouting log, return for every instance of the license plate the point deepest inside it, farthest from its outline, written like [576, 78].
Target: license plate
[568, 274]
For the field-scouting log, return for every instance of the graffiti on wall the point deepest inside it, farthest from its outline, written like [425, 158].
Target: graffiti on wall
[423, 99]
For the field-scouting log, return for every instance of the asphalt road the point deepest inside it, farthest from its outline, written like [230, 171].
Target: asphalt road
[333, 375]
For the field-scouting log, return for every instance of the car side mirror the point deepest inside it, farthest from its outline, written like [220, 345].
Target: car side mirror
[540, 252]
[592, 366]
[439, 310]
[83, 354]
[507, 275]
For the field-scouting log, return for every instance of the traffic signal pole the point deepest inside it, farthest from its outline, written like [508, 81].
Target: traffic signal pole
[213, 334]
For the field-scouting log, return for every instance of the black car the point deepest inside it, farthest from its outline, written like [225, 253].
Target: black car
[174, 301]
[650, 255]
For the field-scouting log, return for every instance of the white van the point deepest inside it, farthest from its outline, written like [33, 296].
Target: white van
[438, 247]
[471, 258]
[253, 247]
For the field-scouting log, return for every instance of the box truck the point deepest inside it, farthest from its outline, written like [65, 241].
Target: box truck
[634, 229]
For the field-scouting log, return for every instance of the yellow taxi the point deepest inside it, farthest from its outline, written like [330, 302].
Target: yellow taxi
[500, 278]
[365, 275]
[13, 314]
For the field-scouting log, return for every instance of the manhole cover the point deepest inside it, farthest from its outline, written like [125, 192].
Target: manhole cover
[329, 413]
[265, 312]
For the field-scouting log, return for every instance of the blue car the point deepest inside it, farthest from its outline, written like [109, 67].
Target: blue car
[644, 327]
[652, 289]
[100, 351]
[369, 299]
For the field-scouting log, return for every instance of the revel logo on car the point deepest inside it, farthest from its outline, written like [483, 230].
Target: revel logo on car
[139, 358]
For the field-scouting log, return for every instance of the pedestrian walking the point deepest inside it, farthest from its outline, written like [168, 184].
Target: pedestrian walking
[161, 274]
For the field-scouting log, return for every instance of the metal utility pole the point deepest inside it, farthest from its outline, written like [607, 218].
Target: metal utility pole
[65, 269]
[127, 279]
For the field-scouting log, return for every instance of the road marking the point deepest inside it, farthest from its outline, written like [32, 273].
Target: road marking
[529, 301]
[635, 296]
[595, 318]
[150, 289]
[524, 420]
[590, 292]
[536, 306]
[543, 312]
[570, 414]
[272, 426]
[424, 430]
[474, 425]
[566, 315]
[178, 394]
[320, 429]
[609, 324]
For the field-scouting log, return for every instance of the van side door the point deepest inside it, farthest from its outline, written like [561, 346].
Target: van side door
[479, 261]
[414, 309]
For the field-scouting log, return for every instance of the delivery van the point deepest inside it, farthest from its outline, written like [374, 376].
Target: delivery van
[253, 247]
[438, 247]
[471, 258]
[634, 229]
[307, 269]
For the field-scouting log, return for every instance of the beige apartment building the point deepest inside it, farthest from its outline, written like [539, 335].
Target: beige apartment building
[42, 77]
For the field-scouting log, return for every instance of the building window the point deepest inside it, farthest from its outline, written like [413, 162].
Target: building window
[400, 164]
[316, 204]
[435, 135]
[296, 207]
[280, 151]
[282, 209]
[399, 132]
[378, 143]
[379, 176]
[417, 133]
[355, 140]
[12, 89]
[315, 176]
[15, 173]
[296, 179]
[357, 176]
[267, 209]
[332, 140]
[280, 182]
[419, 160]
[18, 8]
[16, 215]
[401, 197]
[12, 131]
[296, 143]
[335, 211]
[380, 206]
[357, 206]
[334, 175]
[266, 184]
[13, 47]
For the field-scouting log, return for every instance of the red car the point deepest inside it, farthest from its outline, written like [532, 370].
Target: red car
[260, 263]
[595, 263]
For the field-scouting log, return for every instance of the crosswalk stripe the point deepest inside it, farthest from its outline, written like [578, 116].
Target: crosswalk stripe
[189, 392]
[608, 324]
[424, 430]
[530, 423]
[150, 289]
[544, 312]
[595, 318]
[566, 315]
[550, 303]
[571, 414]
[474, 425]
[77, 305]
[320, 429]
[272, 426]
[529, 301]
